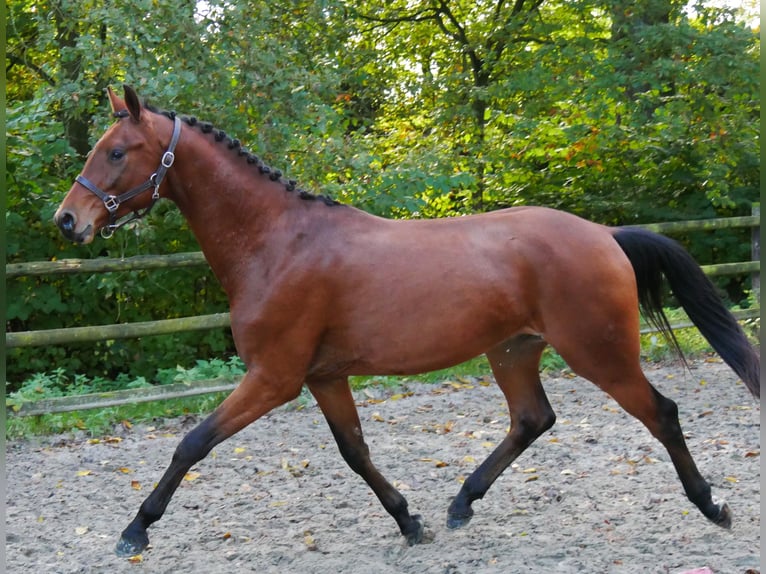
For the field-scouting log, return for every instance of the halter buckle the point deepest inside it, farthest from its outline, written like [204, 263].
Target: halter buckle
[111, 203]
[167, 159]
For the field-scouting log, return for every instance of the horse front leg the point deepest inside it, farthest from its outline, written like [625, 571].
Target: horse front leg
[254, 397]
[337, 404]
[515, 366]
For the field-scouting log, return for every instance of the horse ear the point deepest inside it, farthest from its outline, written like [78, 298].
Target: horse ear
[132, 102]
[115, 101]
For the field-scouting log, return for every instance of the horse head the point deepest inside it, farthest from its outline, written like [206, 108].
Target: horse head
[121, 175]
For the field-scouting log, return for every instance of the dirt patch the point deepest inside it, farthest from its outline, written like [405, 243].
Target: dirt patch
[597, 493]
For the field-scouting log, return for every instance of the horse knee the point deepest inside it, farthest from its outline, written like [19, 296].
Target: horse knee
[196, 444]
[532, 425]
[669, 428]
[357, 456]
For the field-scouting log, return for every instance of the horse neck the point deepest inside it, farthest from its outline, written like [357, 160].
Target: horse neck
[230, 206]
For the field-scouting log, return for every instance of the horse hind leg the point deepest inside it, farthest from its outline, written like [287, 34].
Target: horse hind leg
[626, 383]
[660, 415]
[515, 365]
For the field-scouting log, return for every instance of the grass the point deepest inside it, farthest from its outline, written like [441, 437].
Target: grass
[100, 422]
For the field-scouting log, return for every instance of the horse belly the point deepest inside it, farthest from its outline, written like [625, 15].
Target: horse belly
[414, 330]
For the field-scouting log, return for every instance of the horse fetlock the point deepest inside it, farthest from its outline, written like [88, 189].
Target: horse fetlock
[722, 516]
[413, 532]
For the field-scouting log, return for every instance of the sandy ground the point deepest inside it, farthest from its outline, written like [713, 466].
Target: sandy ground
[595, 494]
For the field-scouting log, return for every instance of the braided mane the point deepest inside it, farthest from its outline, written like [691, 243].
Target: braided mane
[236, 146]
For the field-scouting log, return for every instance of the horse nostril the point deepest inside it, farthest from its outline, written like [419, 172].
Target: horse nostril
[66, 223]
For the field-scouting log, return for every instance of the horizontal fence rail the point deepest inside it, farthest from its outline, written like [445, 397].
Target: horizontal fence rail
[94, 333]
[105, 264]
[702, 224]
[124, 397]
[222, 320]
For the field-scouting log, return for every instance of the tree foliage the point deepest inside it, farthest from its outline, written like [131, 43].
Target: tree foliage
[620, 111]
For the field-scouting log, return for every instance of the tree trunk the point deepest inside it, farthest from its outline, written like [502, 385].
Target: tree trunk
[67, 35]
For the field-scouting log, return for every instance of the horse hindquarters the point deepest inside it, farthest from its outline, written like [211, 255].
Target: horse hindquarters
[653, 255]
[597, 334]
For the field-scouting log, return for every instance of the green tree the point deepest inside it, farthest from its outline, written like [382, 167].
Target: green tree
[453, 55]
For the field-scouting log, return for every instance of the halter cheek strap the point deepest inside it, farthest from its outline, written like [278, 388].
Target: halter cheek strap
[113, 202]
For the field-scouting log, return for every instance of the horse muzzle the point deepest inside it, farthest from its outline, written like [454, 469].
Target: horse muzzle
[67, 223]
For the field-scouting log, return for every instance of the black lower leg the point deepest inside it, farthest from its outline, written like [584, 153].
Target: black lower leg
[697, 489]
[515, 364]
[356, 454]
[477, 484]
[523, 433]
[194, 447]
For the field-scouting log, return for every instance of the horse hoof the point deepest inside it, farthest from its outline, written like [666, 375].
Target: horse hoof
[415, 535]
[455, 520]
[723, 519]
[126, 548]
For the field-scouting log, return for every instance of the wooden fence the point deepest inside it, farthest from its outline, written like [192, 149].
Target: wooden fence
[222, 320]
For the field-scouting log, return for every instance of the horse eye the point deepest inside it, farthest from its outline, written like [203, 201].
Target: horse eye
[116, 154]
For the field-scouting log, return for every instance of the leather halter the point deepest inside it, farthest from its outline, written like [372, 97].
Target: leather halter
[112, 202]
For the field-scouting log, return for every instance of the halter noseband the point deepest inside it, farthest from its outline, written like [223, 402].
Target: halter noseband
[112, 202]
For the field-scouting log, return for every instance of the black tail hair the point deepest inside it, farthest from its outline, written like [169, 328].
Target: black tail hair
[653, 255]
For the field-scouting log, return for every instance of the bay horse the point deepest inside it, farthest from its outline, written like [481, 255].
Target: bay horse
[320, 291]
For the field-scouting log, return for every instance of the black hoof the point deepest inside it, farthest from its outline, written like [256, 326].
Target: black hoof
[723, 519]
[458, 520]
[414, 534]
[131, 544]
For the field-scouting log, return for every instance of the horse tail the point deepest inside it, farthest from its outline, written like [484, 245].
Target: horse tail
[653, 255]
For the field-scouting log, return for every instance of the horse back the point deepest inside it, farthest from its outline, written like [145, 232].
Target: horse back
[411, 296]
